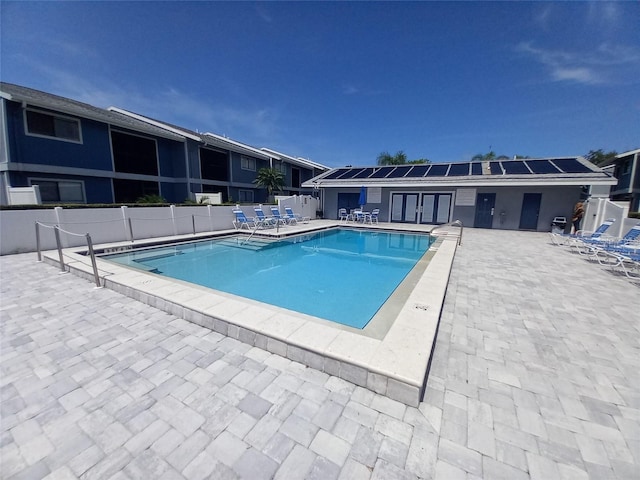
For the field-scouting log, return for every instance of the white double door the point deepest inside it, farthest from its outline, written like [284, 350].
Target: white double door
[421, 207]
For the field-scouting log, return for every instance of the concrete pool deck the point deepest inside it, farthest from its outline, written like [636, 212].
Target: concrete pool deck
[535, 374]
[390, 356]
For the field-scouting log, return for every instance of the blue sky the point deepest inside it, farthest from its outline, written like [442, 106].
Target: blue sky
[340, 82]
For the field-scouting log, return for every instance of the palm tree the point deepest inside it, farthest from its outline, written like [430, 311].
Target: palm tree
[271, 179]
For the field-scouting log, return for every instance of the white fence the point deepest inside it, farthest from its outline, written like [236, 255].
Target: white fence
[599, 209]
[105, 225]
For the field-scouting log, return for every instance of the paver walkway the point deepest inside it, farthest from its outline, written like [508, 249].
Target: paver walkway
[535, 375]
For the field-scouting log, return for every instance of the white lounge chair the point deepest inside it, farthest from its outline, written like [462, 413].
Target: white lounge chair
[564, 238]
[266, 221]
[242, 220]
[279, 218]
[299, 218]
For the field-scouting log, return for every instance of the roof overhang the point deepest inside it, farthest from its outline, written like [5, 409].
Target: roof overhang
[228, 144]
[293, 160]
[81, 110]
[155, 123]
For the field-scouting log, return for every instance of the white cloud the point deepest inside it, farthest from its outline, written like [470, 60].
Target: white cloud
[607, 64]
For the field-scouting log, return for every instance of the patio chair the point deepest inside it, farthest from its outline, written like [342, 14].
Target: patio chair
[267, 222]
[568, 238]
[623, 258]
[589, 246]
[299, 218]
[241, 220]
[282, 220]
[342, 214]
[373, 218]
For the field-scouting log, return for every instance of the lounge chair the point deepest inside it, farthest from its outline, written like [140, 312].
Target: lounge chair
[282, 220]
[342, 214]
[626, 259]
[241, 220]
[590, 246]
[266, 221]
[299, 218]
[565, 238]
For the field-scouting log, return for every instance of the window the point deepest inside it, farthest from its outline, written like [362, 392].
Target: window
[245, 196]
[626, 167]
[60, 191]
[280, 167]
[247, 163]
[295, 177]
[128, 191]
[134, 154]
[53, 126]
[214, 165]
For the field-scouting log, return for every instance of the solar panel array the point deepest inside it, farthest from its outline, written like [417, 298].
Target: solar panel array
[496, 167]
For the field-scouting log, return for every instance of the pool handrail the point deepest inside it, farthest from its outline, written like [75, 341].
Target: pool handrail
[455, 223]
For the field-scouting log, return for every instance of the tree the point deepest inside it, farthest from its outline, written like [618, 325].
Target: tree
[479, 157]
[400, 158]
[487, 157]
[271, 179]
[385, 158]
[599, 157]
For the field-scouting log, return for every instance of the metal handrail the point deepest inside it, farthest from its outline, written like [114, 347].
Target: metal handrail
[255, 229]
[455, 223]
[57, 230]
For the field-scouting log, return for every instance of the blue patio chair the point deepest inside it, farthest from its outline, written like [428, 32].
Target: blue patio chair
[299, 218]
[564, 238]
[590, 246]
[266, 221]
[282, 220]
[241, 221]
[624, 258]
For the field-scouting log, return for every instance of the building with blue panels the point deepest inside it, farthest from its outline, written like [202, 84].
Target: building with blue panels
[78, 153]
[525, 194]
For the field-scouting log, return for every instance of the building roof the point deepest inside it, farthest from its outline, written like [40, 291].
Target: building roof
[36, 98]
[224, 142]
[295, 160]
[524, 172]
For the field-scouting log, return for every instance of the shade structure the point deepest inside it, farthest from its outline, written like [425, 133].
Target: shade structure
[363, 197]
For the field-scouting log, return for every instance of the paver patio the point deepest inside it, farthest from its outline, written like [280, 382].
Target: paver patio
[536, 374]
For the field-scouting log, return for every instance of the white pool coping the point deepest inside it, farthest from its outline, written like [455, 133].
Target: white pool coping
[395, 365]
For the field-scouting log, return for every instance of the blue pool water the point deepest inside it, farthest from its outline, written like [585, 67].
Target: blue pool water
[340, 275]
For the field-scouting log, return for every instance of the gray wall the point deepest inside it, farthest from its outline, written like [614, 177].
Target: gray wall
[555, 201]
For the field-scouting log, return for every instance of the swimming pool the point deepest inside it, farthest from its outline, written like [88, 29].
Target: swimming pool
[341, 275]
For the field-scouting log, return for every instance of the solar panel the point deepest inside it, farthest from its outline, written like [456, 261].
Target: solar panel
[571, 165]
[541, 166]
[364, 173]
[351, 173]
[438, 170]
[476, 168]
[418, 171]
[382, 172]
[336, 174]
[496, 169]
[515, 168]
[398, 172]
[458, 169]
